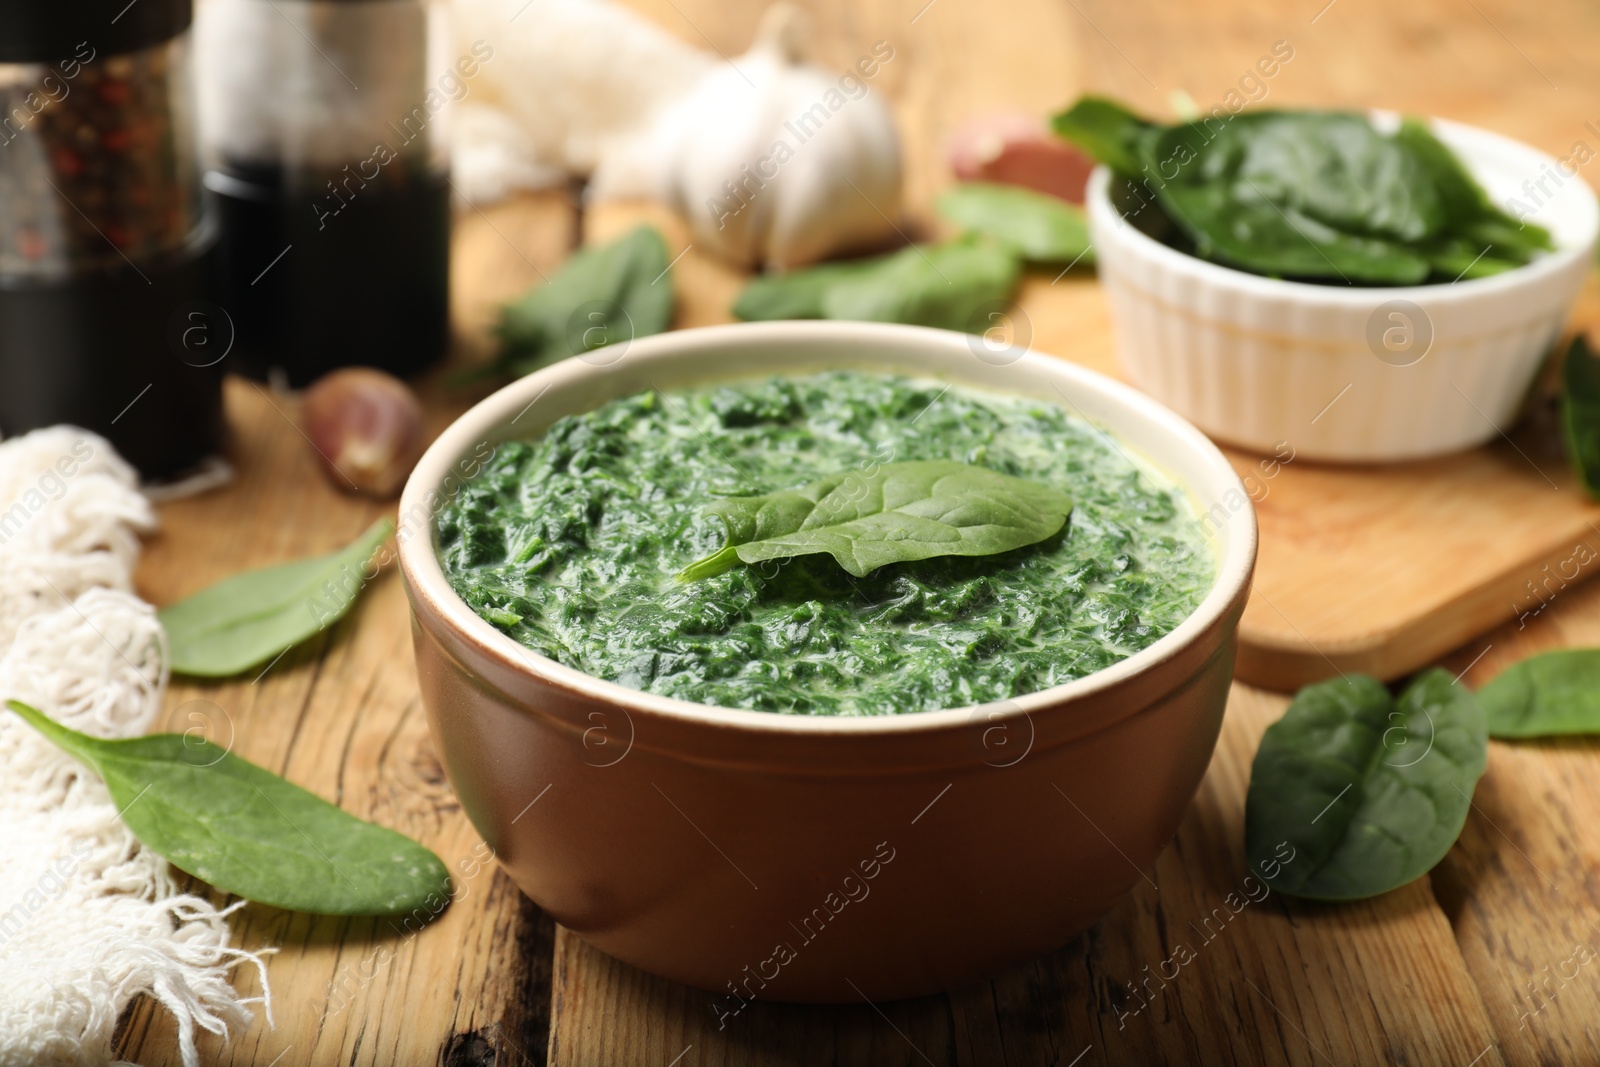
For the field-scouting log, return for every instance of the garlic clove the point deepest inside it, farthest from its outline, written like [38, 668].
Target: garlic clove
[367, 428]
[1018, 149]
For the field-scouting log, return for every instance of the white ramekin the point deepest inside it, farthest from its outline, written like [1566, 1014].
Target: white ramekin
[1332, 371]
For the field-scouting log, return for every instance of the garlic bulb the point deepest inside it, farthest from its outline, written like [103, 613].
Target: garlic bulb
[571, 82]
[772, 160]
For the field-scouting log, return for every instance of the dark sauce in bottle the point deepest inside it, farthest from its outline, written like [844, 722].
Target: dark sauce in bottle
[321, 270]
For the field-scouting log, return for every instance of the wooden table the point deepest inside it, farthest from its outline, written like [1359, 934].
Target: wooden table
[1486, 961]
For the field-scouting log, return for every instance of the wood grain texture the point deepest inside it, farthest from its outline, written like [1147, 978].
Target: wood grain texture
[1521, 887]
[1355, 564]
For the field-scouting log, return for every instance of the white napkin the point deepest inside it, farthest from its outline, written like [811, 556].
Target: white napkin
[88, 919]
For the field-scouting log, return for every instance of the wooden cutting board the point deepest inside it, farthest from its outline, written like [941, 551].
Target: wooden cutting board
[1384, 571]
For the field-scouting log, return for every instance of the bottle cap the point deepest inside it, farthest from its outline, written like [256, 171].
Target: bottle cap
[38, 32]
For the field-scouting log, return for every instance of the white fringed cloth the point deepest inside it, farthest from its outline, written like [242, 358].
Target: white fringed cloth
[88, 919]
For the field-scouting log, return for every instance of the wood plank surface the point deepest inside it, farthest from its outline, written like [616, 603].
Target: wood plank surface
[1436, 973]
[1520, 887]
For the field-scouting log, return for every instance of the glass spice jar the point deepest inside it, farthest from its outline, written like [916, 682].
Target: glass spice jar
[326, 154]
[105, 238]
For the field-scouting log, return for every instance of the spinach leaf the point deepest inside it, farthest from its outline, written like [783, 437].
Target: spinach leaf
[891, 514]
[1105, 129]
[1264, 238]
[1369, 792]
[1549, 695]
[1043, 229]
[243, 621]
[248, 832]
[1510, 239]
[1580, 413]
[1464, 201]
[1459, 194]
[951, 286]
[1320, 196]
[1462, 257]
[1333, 167]
[600, 296]
[796, 294]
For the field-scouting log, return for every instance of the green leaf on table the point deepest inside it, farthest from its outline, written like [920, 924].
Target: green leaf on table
[1105, 129]
[1580, 413]
[953, 286]
[1367, 792]
[892, 514]
[796, 294]
[601, 295]
[1043, 229]
[246, 620]
[248, 832]
[1548, 695]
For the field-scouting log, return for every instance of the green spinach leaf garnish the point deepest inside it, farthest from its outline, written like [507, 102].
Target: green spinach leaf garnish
[248, 832]
[244, 621]
[891, 514]
[1580, 412]
[1370, 791]
[1042, 229]
[1548, 695]
[951, 286]
[602, 295]
[1311, 195]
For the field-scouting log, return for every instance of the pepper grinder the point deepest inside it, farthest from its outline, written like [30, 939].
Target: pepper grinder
[105, 237]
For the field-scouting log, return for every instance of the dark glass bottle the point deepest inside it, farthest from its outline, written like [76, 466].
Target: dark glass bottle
[326, 157]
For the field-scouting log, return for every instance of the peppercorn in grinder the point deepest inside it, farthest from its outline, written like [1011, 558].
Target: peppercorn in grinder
[106, 316]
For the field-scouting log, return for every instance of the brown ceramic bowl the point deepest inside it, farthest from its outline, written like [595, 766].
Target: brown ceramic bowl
[822, 859]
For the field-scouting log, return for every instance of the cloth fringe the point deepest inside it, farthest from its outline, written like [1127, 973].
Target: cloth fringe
[88, 918]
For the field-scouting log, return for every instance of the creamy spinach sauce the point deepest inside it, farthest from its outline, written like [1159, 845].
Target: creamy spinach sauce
[571, 544]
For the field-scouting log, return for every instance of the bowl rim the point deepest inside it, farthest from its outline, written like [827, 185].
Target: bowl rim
[424, 574]
[1097, 202]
